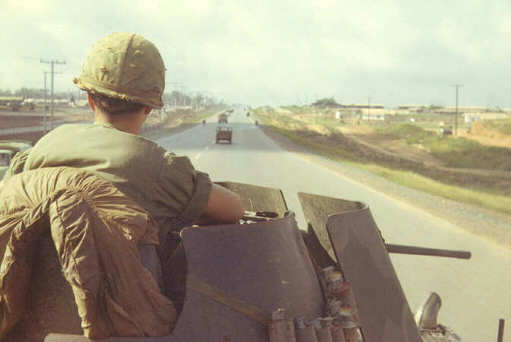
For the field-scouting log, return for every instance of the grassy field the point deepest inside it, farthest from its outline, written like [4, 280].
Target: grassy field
[500, 126]
[453, 152]
[324, 136]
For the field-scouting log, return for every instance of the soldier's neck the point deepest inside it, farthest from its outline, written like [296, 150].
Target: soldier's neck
[129, 123]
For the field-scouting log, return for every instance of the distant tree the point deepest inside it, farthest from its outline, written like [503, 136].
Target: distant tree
[326, 102]
[177, 98]
[29, 93]
[5, 92]
[434, 107]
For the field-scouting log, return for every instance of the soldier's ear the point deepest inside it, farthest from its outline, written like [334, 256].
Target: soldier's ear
[91, 102]
[147, 110]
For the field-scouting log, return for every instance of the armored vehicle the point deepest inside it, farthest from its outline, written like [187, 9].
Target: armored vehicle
[5, 160]
[15, 145]
[224, 133]
[5, 157]
[264, 279]
[8, 149]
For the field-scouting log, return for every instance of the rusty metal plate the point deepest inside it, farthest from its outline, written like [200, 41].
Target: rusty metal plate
[264, 265]
[384, 313]
[51, 305]
[317, 209]
[258, 198]
[77, 338]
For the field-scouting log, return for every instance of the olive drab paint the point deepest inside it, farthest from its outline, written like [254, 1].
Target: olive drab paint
[125, 66]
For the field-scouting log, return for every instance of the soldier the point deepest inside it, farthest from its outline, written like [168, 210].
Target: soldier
[124, 77]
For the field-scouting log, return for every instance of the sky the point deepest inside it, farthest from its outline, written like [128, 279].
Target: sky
[280, 52]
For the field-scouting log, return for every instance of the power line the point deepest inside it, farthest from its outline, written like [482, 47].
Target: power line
[52, 62]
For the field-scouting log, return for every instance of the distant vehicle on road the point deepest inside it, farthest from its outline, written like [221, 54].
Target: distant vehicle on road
[445, 131]
[222, 118]
[224, 133]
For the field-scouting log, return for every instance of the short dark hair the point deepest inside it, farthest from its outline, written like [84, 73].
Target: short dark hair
[115, 106]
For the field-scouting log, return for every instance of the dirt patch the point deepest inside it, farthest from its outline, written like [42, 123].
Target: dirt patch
[415, 152]
[487, 137]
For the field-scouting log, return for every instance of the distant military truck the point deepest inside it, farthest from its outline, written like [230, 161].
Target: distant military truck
[222, 118]
[224, 134]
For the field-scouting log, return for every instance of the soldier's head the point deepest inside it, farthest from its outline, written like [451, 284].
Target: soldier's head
[123, 74]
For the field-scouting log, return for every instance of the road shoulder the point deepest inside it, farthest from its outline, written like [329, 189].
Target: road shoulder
[487, 224]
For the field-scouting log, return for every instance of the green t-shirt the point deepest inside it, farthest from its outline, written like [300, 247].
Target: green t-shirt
[164, 184]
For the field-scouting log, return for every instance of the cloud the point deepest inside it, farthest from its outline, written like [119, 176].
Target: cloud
[395, 51]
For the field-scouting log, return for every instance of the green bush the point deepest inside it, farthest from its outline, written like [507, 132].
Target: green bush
[464, 153]
[413, 134]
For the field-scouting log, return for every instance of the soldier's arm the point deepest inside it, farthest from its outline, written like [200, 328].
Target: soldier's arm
[203, 201]
[223, 206]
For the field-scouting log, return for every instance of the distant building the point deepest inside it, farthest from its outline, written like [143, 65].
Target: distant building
[11, 100]
[412, 108]
[80, 103]
[373, 117]
[462, 109]
[471, 117]
[363, 106]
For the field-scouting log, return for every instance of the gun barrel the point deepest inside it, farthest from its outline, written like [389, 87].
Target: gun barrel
[500, 336]
[400, 249]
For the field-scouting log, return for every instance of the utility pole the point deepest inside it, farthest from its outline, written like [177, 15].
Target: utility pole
[52, 63]
[368, 106]
[45, 103]
[175, 86]
[45, 117]
[456, 114]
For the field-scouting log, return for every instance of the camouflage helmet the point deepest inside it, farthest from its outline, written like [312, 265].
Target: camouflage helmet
[125, 66]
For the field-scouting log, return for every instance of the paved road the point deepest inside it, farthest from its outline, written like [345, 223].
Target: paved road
[475, 293]
[30, 129]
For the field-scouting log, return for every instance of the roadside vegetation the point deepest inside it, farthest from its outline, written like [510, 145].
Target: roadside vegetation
[412, 154]
[458, 153]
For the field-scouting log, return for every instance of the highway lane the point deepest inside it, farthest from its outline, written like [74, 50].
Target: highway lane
[30, 129]
[475, 293]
